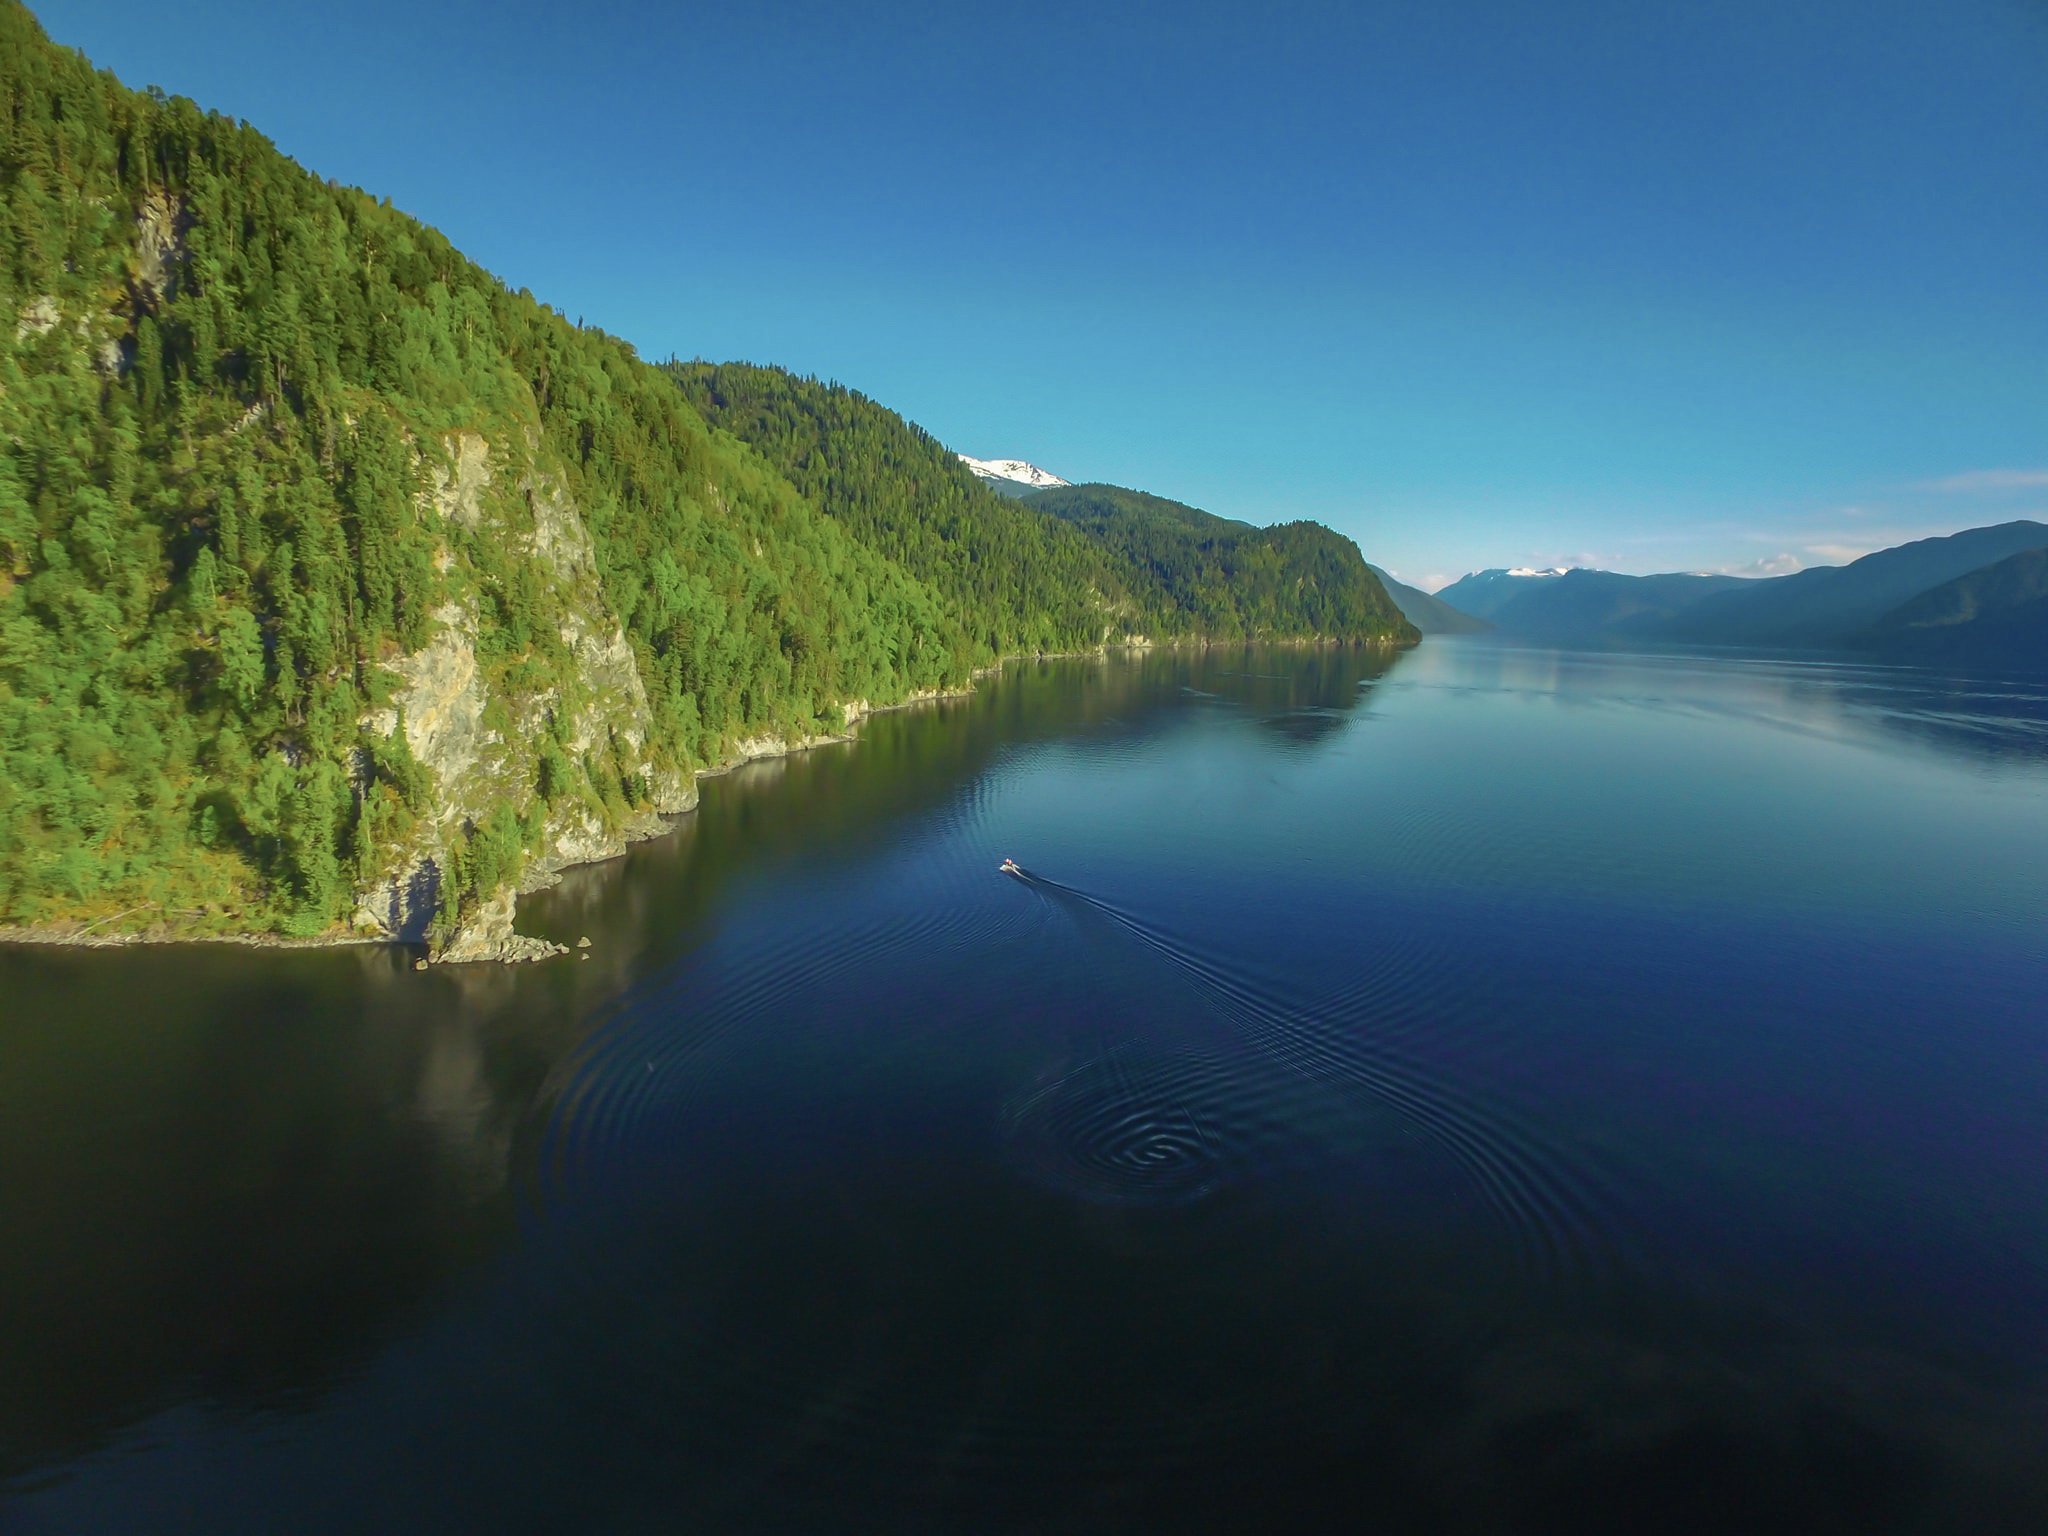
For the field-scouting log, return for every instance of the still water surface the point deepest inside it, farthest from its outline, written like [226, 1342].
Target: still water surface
[1489, 1089]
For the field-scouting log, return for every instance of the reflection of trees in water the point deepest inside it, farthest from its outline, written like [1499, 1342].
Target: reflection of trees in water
[231, 1172]
[1772, 1427]
[836, 803]
[1304, 697]
[228, 1173]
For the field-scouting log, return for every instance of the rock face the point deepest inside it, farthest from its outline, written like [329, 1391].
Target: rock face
[159, 245]
[98, 332]
[39, 317]
[443, 701]
[476, 731]
[489, 936]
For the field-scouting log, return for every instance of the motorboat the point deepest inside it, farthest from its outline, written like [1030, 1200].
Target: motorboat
[1011, 867]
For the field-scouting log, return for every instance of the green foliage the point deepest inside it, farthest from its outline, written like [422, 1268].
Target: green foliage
[1232, 581]
[1021, 581]
[1060, 569]
[222, 384]
[233, 398]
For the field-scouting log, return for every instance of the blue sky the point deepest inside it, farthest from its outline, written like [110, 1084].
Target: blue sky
[1650, 286]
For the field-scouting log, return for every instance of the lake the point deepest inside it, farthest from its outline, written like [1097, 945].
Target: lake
[1481, 1089]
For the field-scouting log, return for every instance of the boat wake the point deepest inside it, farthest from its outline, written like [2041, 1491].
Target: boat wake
[1132, 1126]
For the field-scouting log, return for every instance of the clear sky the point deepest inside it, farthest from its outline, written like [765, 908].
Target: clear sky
[1733, 285]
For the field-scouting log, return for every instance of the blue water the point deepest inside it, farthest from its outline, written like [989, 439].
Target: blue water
[1485, 1089]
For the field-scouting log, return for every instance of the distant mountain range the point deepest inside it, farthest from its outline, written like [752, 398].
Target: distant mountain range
[1483, 592]
[1430, 615]
[1834, 605]
[1568, 605]
[1976, 596]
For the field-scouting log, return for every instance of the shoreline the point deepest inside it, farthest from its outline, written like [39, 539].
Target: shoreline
[747, 750]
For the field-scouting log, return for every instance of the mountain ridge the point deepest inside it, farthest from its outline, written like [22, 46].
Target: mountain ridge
[1428, 613]
[1829, 605]
[346, 592]
[1283, 582]
[1994, 616]
[1824, 607]
[1015, 472]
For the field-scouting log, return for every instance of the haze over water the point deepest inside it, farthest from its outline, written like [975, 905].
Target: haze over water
[1484, 1089]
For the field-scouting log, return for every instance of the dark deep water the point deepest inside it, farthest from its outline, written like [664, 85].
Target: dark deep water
[1488, 1089]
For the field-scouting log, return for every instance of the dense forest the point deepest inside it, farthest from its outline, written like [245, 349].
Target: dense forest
[1052, 569]
[329, 564]
[226, 389]
[1232, 580]
[1025, 581]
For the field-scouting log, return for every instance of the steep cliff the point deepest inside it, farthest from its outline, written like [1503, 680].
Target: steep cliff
[475, 728]
[343, 590]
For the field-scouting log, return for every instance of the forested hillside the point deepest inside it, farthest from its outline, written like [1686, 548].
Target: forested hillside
[343, 587]
[266, 439]
[1230, 579]
[1035, 571]
[1027, 582]
[1993, 617]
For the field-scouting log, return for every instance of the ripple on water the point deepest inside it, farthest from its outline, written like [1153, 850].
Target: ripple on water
[1562, 1216]
[649, 1056]
[1134, 1126]
[1144, 1133]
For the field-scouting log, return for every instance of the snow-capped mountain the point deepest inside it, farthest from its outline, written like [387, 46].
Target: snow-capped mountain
[1483, 593]
[1012, 469]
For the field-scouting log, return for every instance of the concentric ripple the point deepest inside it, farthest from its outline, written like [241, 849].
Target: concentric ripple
[1561, 1217]
[650, 1058]
[1133, 1127]
[1222, 1078]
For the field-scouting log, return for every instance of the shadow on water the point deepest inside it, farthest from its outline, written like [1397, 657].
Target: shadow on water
[225, 1174]
[228, 1176]
[1302, 1142]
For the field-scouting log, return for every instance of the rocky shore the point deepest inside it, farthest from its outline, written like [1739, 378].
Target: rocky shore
[490, 935]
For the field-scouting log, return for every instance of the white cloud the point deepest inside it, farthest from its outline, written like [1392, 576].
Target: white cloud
[1978, 481]
[1842, 554]
[1782, 564]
